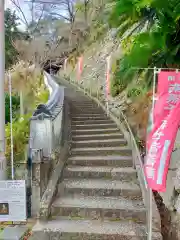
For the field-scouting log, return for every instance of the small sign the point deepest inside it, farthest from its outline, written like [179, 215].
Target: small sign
[4, 208]
[12, 201]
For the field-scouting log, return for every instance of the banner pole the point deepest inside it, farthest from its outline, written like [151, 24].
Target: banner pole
[150, 190]
[154, 91]
[150, 215]
[11, 125]
[107, 82]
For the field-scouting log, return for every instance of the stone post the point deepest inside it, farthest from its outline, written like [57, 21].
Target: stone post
[36, 182]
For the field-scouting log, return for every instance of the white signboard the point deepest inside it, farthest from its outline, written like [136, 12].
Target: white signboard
[13, 201]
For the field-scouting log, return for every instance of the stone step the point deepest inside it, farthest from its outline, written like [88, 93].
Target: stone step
[102, 151]
[86, 106]
[94, 131]
[94, 126]
[102, 208]
[109, 136]
[92, 121]
[87, 117]
[83, 102]
[85, 110]
[109, 160]
[80, 229]
[95, 172]
[102, 187]
[97, 143]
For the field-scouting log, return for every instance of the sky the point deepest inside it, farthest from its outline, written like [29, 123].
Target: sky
[9, 4]
[25, 8]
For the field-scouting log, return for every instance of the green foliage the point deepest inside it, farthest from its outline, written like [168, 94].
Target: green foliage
[157, 45]
[15, 106]
[134, 92]
[12, 33]
[42, 96]
[82, 6]
[97, 33]
[117, 86]
[20, 135]
[39, 94]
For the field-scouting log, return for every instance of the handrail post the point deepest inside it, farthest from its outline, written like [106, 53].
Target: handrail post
[133, 155]
[90, 90]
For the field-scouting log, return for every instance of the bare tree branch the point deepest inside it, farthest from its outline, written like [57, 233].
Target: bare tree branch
[39, 19]
[17, 5]
[19, 8]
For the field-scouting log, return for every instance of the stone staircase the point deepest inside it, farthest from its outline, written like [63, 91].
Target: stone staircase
[100, 197]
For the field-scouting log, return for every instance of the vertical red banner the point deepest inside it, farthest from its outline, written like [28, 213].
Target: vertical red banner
[108, 69]
[79, 67]
[161, 139]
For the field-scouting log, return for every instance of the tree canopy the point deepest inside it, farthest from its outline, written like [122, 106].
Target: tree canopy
[12, 33]
[154, 33]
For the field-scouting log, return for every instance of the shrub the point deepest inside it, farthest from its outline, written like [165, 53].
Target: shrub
[15, 106]
[20, 135]
[134, 92]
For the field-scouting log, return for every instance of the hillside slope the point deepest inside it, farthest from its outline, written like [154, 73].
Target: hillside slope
[136, 108]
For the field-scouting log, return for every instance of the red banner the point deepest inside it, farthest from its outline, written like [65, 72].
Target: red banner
[108, 76]
[161, 139]
[79, 67]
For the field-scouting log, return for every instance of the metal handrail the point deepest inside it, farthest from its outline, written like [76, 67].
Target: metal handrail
[137, 160]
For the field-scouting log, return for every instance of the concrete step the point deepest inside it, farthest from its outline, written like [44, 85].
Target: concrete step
[97, 143]
[102, 187]
[87, 106]
[79, 229]
[83, 102]
[92, 104]
[85, 110]
[109, 160]
[100, 137]
[87, 117]
[92, 121]
[96, 172]
[102, 208]
[94, 131]
[102, 151]
[94, 126]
